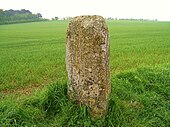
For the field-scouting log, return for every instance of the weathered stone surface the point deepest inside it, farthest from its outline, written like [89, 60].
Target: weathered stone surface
[87, 62]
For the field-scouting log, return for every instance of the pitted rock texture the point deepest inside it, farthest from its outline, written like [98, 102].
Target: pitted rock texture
[87, 62]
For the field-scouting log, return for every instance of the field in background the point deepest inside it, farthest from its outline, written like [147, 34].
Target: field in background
[32, 55]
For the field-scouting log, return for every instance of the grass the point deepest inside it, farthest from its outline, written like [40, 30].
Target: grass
[32, 56]
[34, 53]
[139, 98]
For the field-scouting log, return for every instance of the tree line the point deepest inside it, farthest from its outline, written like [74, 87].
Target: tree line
[109, 18]
[141, 19]
[62, 18]
[19, 16]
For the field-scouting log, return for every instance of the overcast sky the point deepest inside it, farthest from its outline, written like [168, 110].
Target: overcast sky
[147, 9]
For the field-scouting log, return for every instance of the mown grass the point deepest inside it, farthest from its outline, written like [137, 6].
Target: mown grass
[32, 55]
[139, 98]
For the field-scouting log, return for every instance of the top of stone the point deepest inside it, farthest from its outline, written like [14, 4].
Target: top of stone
[87, 21]
[96, 17]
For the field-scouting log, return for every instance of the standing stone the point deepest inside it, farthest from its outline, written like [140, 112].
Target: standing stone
[87, 62]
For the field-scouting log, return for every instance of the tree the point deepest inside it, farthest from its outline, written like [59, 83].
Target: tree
[17, 16]
[23, 11]
[39, 15]
[1, 14]
[56, 18]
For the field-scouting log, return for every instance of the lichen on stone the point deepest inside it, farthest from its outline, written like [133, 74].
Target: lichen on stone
[87, 62]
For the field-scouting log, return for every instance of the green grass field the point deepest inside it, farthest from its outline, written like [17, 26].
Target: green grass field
[33, 76]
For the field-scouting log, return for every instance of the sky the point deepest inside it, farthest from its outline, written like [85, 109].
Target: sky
[146, 9]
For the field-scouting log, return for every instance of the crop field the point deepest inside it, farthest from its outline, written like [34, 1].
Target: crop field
[33, 77]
